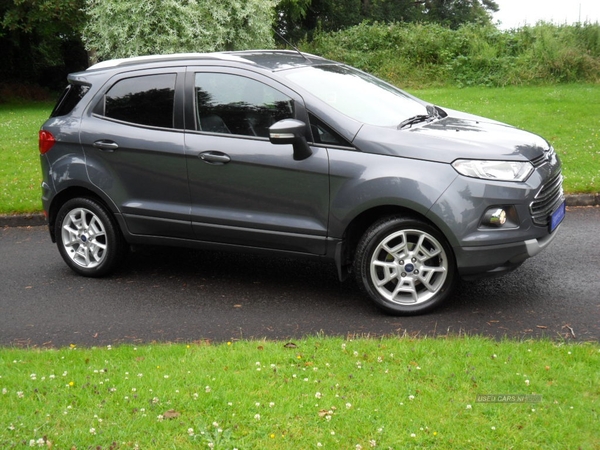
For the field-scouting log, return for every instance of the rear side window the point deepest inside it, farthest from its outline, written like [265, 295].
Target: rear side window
[72, 94]
[146, 100]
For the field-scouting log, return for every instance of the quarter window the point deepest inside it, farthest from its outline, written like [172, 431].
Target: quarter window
[70, 97]
[324, 134]
[233, 104]
[146, 100]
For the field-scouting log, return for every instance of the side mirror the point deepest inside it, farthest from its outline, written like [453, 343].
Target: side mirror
[291, 131]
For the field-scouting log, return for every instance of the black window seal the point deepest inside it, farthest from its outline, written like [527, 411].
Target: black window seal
[349, 146]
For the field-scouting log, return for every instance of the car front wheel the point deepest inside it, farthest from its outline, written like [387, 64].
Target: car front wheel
[88, 238]
[405, 265]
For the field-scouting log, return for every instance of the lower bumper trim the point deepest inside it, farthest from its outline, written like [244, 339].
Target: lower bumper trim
[535, 246]
[489, 261]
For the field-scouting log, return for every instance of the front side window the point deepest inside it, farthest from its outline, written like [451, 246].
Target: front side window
[145, 100]
[233, 104]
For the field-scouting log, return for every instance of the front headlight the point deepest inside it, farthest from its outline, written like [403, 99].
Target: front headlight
[494, 170]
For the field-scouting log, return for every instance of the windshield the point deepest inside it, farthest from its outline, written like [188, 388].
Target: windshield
[357, 94]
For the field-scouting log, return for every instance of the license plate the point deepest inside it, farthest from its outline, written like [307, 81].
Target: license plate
[557, 216]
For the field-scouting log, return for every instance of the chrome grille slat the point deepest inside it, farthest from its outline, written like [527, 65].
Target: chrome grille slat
[537, 162]
[547, 200]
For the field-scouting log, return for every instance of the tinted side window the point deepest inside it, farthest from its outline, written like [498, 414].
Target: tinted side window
[324, 134]
[238, 105]
[72, 94]
[146, 100]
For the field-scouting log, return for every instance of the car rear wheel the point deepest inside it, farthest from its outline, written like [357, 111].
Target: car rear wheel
[405, 265]
[88, 238]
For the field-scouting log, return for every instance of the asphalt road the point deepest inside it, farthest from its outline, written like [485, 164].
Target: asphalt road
[164, 294]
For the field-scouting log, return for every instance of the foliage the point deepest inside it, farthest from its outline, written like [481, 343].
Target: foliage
[303, 18]
[125, 28]
[45, 17]
[414, 55]
[39, 38]
[455, 13]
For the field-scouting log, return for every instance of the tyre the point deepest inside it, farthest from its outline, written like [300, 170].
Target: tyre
[88, 238]
[405, 265]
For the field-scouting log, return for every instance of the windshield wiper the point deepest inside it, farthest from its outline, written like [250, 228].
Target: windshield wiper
[416, 119]
[432, 114]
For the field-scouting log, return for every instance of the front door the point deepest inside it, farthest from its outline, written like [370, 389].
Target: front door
[244, 190]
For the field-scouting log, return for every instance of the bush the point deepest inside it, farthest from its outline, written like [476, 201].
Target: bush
[421, 55]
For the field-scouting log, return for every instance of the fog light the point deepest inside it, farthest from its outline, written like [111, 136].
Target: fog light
[495, 217]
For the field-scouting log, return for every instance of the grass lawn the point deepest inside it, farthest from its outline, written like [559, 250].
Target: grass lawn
[331, 393]
[20, 173]
[567, 115]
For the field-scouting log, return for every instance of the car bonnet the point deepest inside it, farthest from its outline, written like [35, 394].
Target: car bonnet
[451, 138]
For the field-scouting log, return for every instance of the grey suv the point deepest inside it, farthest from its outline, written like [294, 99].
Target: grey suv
[295, 155]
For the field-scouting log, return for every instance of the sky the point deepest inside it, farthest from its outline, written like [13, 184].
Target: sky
[516, 13]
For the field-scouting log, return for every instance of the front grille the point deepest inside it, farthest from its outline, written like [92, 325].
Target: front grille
[547, 200]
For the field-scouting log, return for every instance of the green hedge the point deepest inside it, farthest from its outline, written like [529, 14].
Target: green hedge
[425, 55]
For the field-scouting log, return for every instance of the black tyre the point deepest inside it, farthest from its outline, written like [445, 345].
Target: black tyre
[405, 265]
[88, 238]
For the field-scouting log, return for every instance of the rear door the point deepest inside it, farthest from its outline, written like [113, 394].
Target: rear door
[245, 190]
[133, 140]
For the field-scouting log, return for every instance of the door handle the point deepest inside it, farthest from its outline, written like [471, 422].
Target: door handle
[107, 146]
[213, 157]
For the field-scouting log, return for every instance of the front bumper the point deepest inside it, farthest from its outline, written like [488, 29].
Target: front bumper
[531, 211]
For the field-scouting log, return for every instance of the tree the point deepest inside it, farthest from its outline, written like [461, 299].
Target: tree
[298, 19]
[454, 13]
[40, 39]
[124, 28]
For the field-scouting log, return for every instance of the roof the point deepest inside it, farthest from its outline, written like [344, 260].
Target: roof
[269, 59]
[280, 59]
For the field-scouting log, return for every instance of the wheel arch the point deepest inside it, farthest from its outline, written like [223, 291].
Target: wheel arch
[359, 225]
[70, 193]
